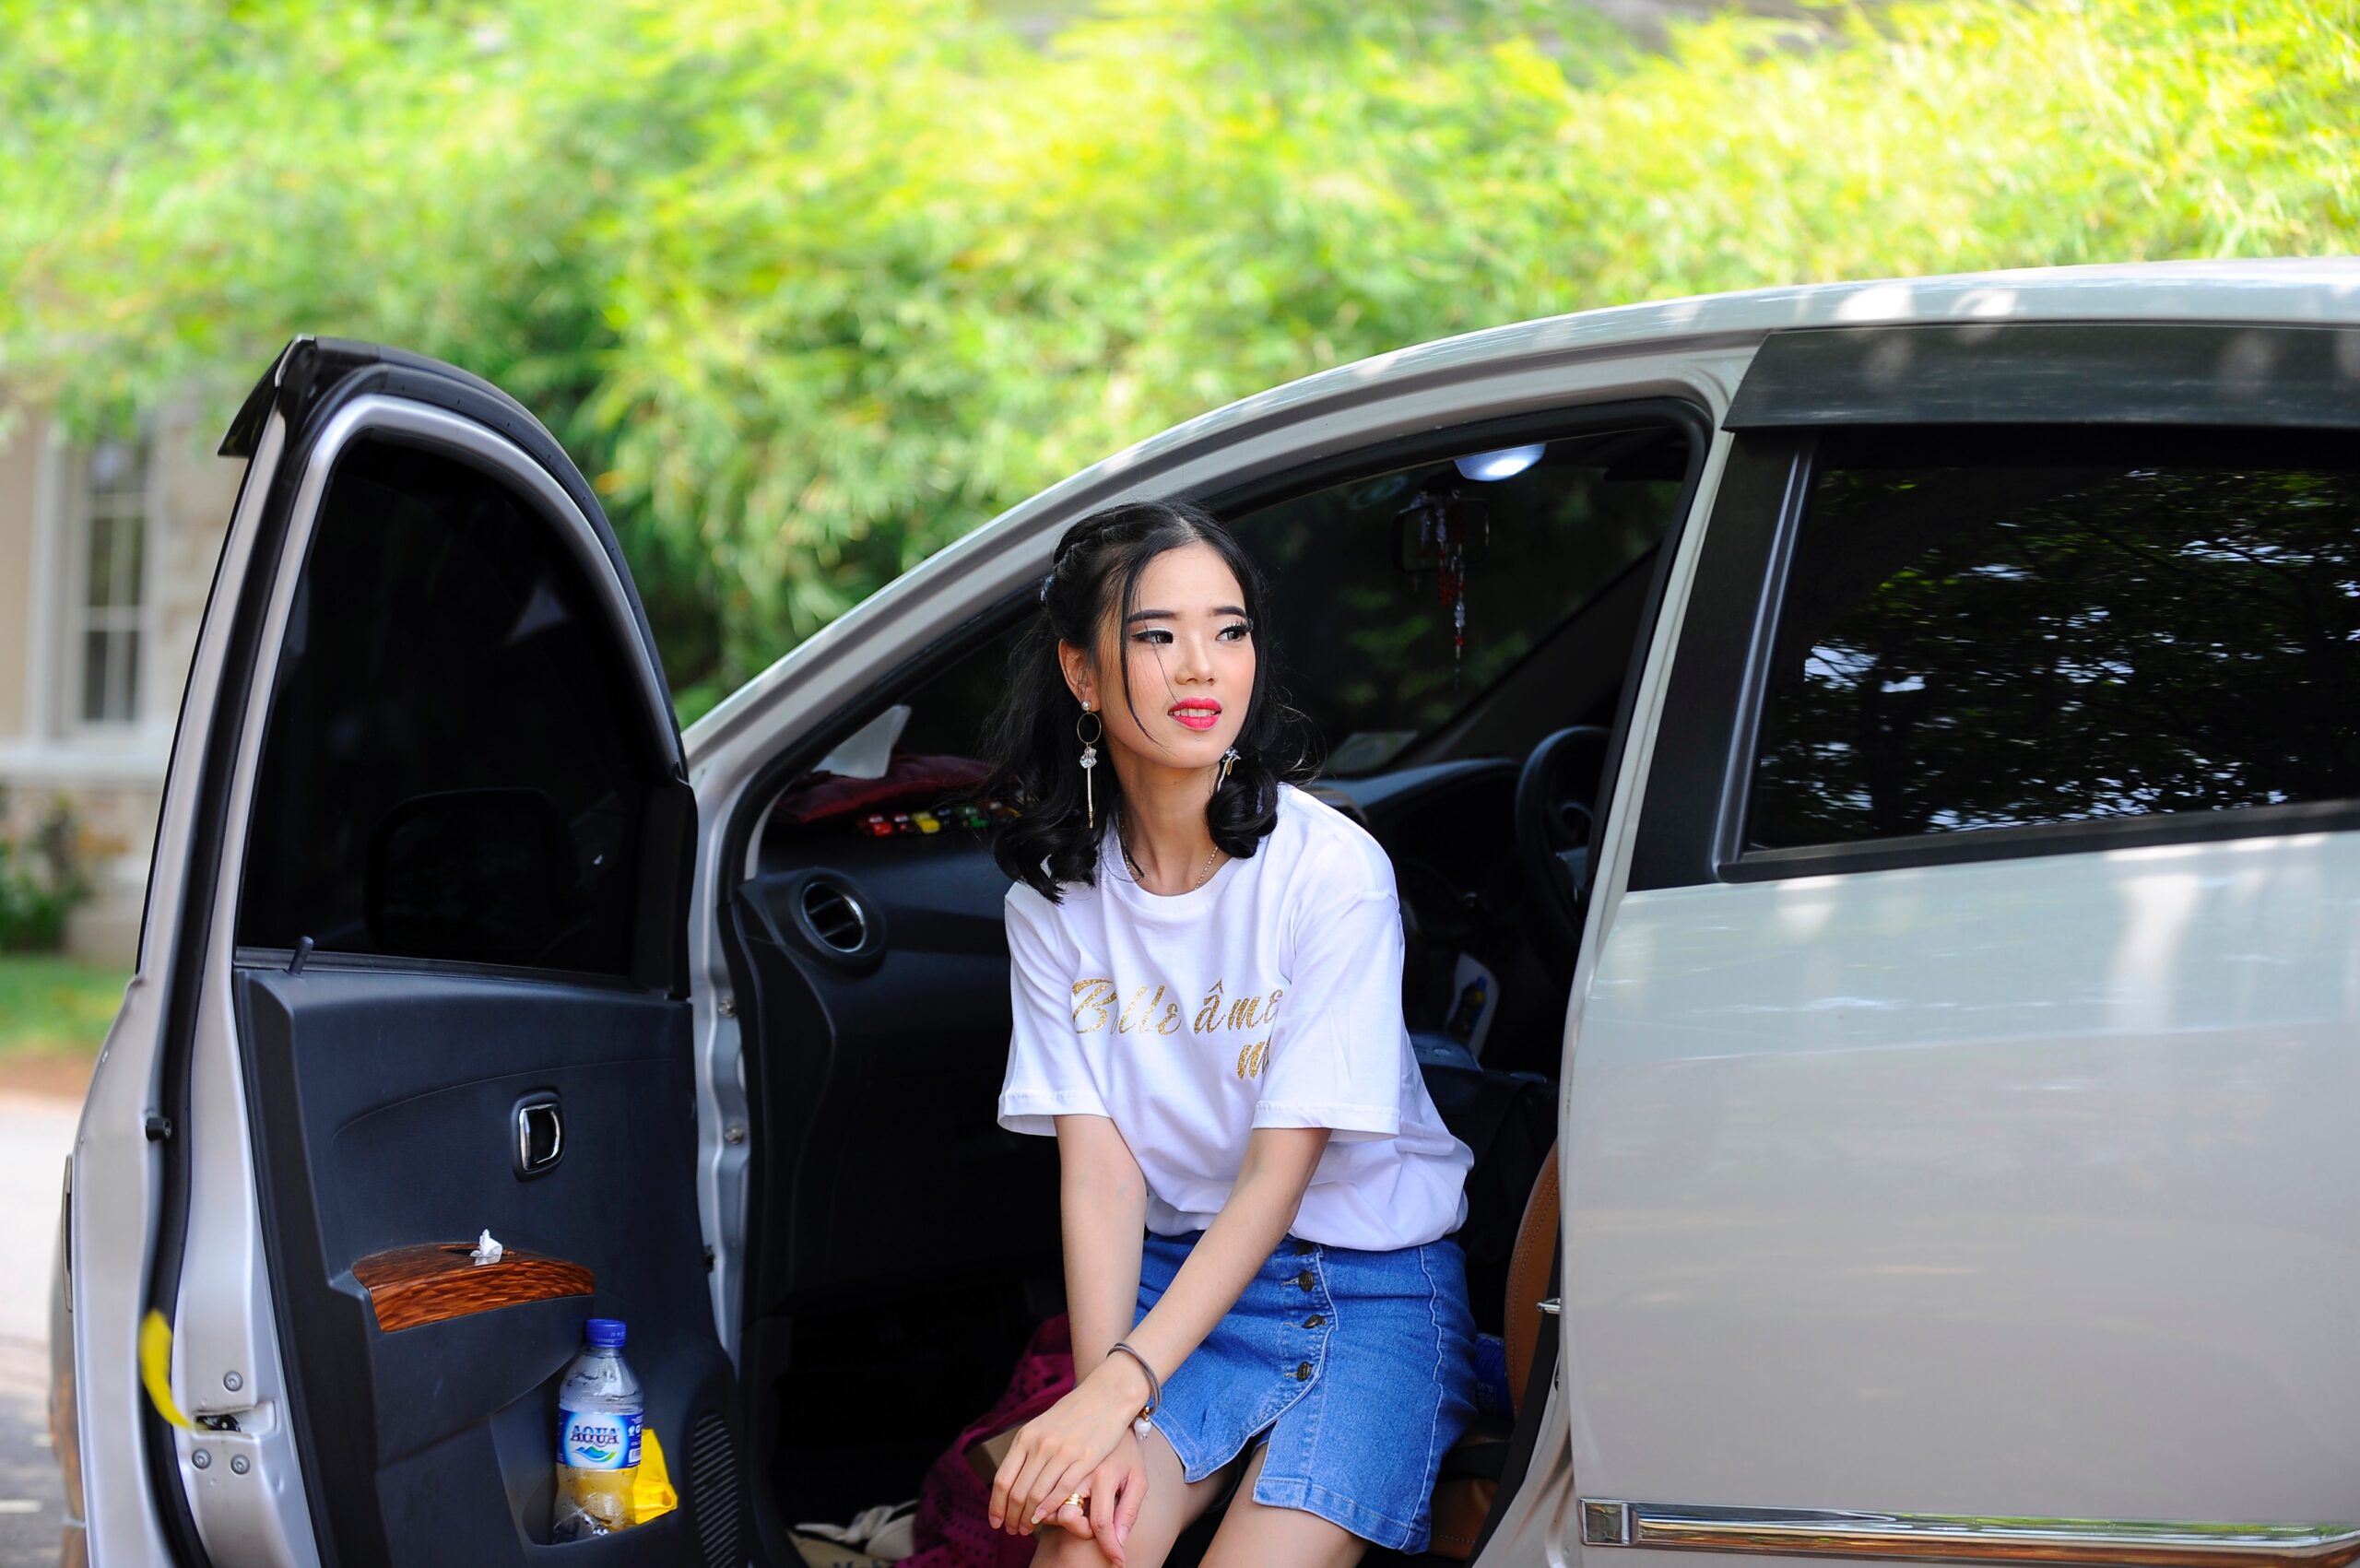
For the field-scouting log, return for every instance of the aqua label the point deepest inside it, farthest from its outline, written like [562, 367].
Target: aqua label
[598, 1440]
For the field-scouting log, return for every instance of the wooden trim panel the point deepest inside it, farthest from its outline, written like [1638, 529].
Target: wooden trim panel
[412, 1286]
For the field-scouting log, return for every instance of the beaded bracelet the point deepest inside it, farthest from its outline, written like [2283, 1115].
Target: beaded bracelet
[1154, 1389]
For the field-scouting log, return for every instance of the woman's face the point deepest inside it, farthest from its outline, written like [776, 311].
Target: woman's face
[1190, 653]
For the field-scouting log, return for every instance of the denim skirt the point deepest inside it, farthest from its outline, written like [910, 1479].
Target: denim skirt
[1358, 1366]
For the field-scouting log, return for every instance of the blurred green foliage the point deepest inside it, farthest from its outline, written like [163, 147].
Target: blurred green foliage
[43, 875]
[810, 288]
[53, 1007]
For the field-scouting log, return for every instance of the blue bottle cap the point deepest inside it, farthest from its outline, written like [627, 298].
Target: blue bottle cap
[604, 1333]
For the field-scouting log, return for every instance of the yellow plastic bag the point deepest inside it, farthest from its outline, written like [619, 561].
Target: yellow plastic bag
[652, 1496]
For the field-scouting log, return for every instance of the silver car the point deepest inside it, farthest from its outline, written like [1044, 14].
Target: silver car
[1873, 773]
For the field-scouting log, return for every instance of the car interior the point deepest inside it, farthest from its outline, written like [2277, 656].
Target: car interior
[1458, 619]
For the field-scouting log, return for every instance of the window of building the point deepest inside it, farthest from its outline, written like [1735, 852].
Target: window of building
[1992, 628]
[108, 613]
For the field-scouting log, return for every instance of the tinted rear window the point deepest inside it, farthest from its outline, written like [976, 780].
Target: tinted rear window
[1995, 628]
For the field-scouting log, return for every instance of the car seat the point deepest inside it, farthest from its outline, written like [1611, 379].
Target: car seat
[1471, 1471]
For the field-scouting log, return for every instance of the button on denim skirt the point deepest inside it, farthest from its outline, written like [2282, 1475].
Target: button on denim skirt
[1360, 1365]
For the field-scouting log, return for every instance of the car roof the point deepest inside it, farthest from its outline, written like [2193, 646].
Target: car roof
[2323, 292]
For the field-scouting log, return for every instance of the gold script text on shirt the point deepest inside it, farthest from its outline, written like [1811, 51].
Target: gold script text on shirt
[1094, 1007]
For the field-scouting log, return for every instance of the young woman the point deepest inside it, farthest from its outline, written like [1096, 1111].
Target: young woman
[1256, 1192]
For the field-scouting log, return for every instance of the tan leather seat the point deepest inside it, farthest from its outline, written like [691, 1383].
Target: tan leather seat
[1462, 1502]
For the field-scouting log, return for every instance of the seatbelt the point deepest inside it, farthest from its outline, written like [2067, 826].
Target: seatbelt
[1530, 1406]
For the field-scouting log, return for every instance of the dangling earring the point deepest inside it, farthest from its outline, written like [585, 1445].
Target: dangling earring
[1227, 759]
[1089, 760]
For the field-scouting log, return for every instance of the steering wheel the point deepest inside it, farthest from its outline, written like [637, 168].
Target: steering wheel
[1554, 796]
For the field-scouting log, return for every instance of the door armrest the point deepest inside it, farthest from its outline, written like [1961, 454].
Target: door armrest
[412, 1286]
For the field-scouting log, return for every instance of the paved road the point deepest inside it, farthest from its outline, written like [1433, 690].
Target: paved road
[34, 1137]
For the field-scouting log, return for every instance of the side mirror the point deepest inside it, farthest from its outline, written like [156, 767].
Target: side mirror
[480, 874]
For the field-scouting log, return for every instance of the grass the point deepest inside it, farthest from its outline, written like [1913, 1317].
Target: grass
[56, 1008]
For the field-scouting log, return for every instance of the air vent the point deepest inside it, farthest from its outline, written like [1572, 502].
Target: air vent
[713, 1498]
[834, 916]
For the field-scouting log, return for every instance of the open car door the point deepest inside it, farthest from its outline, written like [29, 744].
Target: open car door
[418, 914]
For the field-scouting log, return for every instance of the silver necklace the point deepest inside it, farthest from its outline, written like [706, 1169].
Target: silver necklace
[1140, 876]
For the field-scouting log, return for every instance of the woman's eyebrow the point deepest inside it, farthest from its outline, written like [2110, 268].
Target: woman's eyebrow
[1168, 615]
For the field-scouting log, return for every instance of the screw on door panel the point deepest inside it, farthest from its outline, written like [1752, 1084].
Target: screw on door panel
[201, 1460]
[233, 1382]
[239, 1464]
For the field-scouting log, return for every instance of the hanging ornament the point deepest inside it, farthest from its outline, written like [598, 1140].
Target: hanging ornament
[1445, 518]
[1450, 583]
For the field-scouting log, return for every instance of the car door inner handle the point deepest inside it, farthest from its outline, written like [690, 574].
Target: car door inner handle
[541, 1135]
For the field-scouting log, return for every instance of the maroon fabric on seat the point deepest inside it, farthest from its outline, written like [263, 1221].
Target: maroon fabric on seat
[952, 1529]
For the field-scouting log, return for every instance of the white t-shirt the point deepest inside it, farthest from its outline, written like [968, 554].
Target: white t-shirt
[1268, 997]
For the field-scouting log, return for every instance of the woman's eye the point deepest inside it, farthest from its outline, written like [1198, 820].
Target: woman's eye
[1157, 636]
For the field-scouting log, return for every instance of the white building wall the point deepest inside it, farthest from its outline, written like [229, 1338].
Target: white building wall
[111, 777]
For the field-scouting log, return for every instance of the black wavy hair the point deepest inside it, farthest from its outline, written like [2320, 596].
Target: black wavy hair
[1032, 740]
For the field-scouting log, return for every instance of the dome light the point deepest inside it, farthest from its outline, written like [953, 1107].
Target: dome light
[1504, 463]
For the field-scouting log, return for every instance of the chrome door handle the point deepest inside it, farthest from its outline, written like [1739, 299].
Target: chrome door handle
[1940, 1537]
[540, 1136]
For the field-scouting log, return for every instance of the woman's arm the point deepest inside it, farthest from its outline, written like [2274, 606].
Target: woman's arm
[1060, 1449]
[1102, 1198]
[1101, 1201]
[1260, 1209]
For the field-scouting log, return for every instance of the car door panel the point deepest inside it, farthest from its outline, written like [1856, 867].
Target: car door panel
[880, 1182]
[342, 1160]
[1967, 1182]
[495, 884]
[882, 1073]
[1963, 1190]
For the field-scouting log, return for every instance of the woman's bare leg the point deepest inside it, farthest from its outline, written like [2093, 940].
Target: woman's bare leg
[1172, 1505]
[1253, 1534]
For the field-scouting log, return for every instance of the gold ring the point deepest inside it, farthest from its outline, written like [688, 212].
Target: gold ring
[1076, 1501]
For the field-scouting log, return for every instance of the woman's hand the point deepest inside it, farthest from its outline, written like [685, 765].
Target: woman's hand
[1056, 1451]
[1117, 1489]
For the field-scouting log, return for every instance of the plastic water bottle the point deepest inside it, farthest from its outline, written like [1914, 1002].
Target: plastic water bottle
[598, 1413]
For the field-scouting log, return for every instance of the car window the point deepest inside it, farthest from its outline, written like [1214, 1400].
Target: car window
[454, 764]
[1399, 599]
[1990, 627]
[1385, 634]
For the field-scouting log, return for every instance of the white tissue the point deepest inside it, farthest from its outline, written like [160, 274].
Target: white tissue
[867, 752]
[487, 1250]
